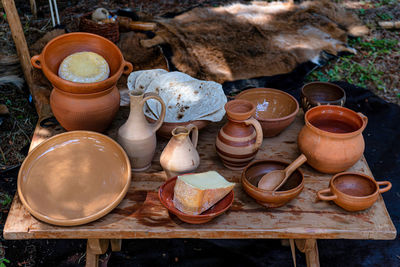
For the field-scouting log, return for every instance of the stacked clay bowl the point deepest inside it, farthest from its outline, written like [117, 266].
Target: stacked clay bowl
[275, 109]
[82, 106]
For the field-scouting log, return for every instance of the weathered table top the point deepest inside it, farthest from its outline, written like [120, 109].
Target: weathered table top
[141, 215]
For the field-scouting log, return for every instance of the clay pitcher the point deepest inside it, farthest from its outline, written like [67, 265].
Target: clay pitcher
[180, 155]
[239, 139]
[137, 136]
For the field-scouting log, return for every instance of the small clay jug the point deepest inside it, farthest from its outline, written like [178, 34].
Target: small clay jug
[239, 139]
[180, 155]
[137, 136]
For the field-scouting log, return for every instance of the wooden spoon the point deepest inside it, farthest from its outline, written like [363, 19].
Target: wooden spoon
[273, 180]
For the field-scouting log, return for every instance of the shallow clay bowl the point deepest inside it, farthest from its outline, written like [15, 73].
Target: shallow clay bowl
[275, 109]
[166, 195]
[270, 199]
[353, 191]
[66, 44]
[321, 93]
[167, 127]
[74, 178]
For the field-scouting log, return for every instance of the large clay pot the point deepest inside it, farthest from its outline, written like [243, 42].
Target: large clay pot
[137, 136]
[180, 155]
[92, 112]
[239, 139]
[64, 45]
[331, 138]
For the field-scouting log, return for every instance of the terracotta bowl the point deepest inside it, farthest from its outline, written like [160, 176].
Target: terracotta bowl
[64, 45]
[74, 178]
[275, 109]
[166, 128]
[353, 191]
[255, 171]
[321, 93]
[166, 194]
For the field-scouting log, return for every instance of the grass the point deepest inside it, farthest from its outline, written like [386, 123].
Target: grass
[3, 262]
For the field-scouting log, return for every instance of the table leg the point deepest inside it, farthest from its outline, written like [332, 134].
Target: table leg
[116, 244]
[310, 248]
[94, 248]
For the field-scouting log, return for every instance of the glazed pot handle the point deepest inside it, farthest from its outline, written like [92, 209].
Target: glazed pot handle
[259, 132]
[195, 133]
[128, 67]
[160, 120]
[363, 117]
[326, 198]
[35, 61]
[386, 188]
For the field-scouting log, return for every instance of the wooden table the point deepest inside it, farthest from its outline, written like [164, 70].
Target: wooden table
[141, 215]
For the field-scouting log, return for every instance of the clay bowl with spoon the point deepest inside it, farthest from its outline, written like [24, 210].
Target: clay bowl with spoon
[253, 173]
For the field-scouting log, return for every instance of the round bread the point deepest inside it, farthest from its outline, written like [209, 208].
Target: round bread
[84, 67]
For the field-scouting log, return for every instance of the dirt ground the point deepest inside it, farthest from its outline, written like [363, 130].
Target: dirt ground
[375, 66]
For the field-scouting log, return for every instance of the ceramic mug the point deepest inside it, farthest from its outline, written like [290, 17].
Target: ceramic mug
[321, 93]
[353, 191]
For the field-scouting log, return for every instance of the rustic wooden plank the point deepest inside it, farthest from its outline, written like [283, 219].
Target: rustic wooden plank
[141, 215]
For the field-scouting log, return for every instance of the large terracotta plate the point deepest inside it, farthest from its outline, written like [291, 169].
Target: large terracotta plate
[74, 178]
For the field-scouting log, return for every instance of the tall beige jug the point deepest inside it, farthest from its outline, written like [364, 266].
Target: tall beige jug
[180, 155]
[137, 136]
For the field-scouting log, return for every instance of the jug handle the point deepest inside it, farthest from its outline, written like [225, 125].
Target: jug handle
[363, 117]
[128, 67]
[160, 120]
[195, 133]
[326, 198]
[385, 189]
[259, 132]
[35, 61]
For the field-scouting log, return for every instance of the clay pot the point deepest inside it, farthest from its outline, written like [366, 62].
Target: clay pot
[137, 136]
[180, 155]
[64, 45]
[239, 139]
[353, 191]
[271, 199]
[93, 112]
[321, 93]
[331, 138]
[275, 109]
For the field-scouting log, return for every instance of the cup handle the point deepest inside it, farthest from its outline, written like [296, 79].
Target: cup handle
[386, 188]
[326, 198]
[363, 117]
[259, 132]
[195, 133]
[128, 67]
[160, 120]
[35, 61]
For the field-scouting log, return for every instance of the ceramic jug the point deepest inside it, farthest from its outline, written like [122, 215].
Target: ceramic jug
[137, 136]
[239, 139]
[180, 155]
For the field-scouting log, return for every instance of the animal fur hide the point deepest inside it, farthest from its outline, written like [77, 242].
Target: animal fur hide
[260, 39]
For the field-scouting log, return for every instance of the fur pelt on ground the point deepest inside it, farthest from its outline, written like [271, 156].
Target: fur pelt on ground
[259, 39]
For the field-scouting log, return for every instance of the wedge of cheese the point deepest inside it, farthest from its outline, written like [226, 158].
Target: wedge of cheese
[196, 193]
[84, 67]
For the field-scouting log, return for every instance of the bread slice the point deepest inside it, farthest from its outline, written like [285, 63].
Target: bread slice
[196, 193]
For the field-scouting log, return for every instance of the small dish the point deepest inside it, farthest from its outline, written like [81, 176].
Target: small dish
[275, 109]
[166, 128]
[271, 199]
[166, 194]
[74, 178]
[353, 191]
[321, 93]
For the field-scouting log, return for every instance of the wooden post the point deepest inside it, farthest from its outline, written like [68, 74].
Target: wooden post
[310, 248]
[94, 248]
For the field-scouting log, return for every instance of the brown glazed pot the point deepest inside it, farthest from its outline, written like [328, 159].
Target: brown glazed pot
[353, 191]
[271, 199]
[331, 138]
[93, 112]
[239, 139]
[275, 109]
[64, 45]
[321, 93]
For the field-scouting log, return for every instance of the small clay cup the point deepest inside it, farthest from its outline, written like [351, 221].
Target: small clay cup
[271, 199]
[321, 93]
[275, 109]
[64, 45]
[353, 191]
[166, 195]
